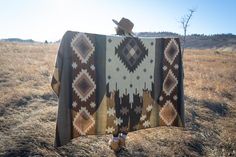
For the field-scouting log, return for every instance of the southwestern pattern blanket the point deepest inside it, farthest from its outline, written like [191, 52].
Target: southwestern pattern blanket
[108, 84]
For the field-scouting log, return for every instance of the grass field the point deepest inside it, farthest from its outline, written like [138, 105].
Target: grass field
[28, 109]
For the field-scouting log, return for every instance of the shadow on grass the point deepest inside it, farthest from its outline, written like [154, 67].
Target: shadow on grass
[219, 108]
[21, 152]
[23, 101]
[138, 152]
[27, 146]
[195, 146]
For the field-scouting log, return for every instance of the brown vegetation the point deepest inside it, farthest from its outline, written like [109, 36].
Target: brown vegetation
[28, 109]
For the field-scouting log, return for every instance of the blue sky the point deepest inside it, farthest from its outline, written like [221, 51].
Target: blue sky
[49, 19]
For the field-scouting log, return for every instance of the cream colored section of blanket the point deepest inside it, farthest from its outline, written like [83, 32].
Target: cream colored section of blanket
[144, 71]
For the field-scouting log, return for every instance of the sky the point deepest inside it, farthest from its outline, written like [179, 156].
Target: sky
[42, 20]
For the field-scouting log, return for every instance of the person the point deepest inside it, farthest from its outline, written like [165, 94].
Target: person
[124, 28]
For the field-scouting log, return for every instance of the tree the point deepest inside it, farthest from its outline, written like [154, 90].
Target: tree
[185, 24]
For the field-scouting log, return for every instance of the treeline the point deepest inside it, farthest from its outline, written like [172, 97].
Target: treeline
[200, 41]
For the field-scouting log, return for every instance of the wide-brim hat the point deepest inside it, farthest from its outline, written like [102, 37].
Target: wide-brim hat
[125, 24]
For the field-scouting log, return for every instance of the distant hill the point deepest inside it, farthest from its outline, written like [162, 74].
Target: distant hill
[157, 34]
[194, 41]
[216, 41]
[18, 40]
[199, 41]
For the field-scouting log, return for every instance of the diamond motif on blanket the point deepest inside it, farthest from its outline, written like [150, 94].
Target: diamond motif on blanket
[83, 121]
[171, 51]
[168, 113]
[83, 85]
[131, 52]
[82, 46]
[169, 83]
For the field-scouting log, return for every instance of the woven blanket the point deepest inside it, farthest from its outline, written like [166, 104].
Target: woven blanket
[110, 84]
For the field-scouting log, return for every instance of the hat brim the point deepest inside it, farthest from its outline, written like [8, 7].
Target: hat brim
[117, 23]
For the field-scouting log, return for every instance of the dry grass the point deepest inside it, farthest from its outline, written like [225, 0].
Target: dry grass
[28, 109]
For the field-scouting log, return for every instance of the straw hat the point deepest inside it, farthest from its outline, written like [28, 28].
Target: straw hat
[125, 24]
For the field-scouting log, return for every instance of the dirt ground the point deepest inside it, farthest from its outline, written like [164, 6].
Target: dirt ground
[28, 109]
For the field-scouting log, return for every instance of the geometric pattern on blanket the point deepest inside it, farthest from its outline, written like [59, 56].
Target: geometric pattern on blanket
[129, 67]
[171, 51]
[83, 47]
[131, 51]
[83, 121]
[133, 54]
[168, 98]
[111, 84]
[170, 83]
[83, 85]
[168, 113]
